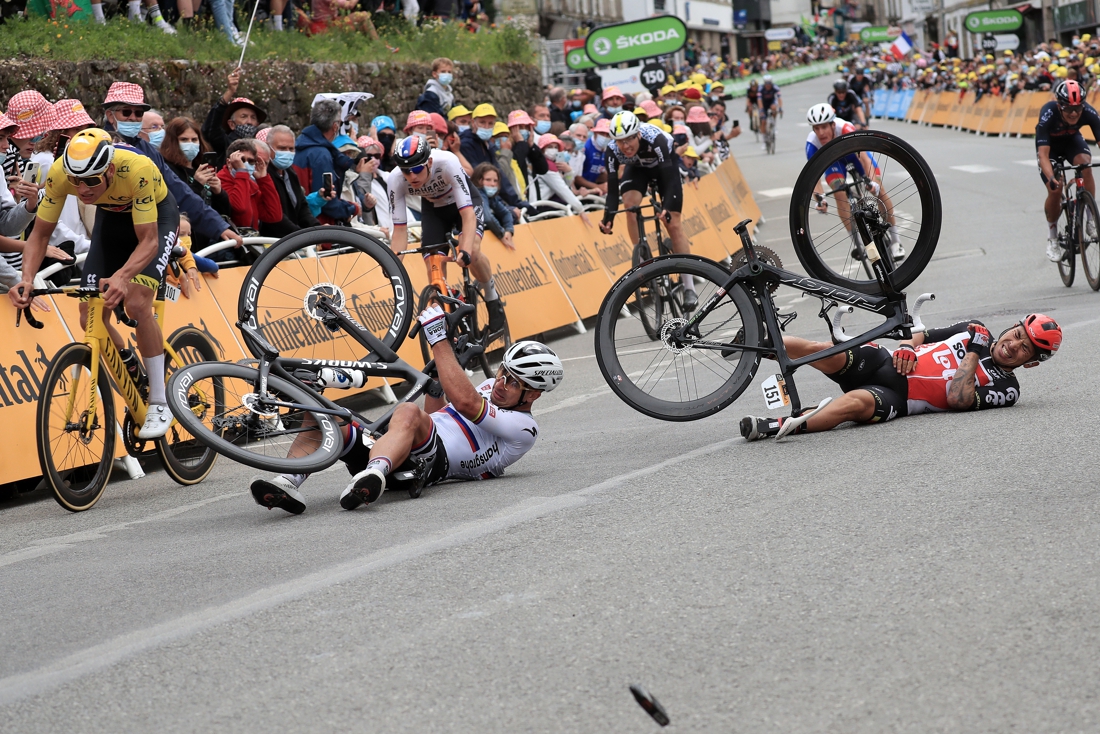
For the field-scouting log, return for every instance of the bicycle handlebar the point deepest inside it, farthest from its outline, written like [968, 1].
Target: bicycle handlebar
[462, 309]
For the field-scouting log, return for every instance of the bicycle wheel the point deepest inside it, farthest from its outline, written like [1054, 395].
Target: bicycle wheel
[1067, 266]
[247, 433]
[908, 194]
[498, 342]
[186, 459]
[76, 459]
[678, 381]
[647, 304]
[1088, 237]
[359, 273]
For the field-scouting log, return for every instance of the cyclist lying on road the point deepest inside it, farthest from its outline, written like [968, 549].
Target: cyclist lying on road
[958, 367]
[476, 435]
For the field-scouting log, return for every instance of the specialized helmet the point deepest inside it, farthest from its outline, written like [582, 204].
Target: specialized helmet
[821, 114]
[1044, 333]
[841, 85]
[1069, 93]
[88, 153]
[534, 364]
[624, 124]
[411, 152]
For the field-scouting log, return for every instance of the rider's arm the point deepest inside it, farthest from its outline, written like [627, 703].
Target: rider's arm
[611, 201]
[961, 391]
[1043, 153]
[456, 385]
[35, 249]
[399, 239]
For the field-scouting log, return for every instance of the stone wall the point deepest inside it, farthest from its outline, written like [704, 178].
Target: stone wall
[283, 89]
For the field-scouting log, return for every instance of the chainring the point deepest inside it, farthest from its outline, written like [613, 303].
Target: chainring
[134, 445]
[765, 255]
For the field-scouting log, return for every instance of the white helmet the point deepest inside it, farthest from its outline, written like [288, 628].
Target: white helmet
[624, 124]
[821, 114]
[534, 364]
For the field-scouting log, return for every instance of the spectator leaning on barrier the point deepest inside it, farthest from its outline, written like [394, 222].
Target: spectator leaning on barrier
[35, 117]
[18, 198]
[503, 158]
[316, 156]
[551, 185]
[252, 195]
[231, 118]
[476, 148]
[526, 155]
[437, 95]
[370, 169]
[296, 213]
[498, 218]
[591, 165]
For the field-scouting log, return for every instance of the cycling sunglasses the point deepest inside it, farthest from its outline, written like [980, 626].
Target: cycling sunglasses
[510, 379]
[90, 181]
[414, 169]
[1072, 109]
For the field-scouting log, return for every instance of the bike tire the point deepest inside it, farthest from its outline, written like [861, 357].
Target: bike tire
[186, 459]
[76, 470]
[619, 345]
[918, 182]
[1067, 266]
[646, 299]
[1088, 238]
[237, 427]
[480, 326]
[277, 289]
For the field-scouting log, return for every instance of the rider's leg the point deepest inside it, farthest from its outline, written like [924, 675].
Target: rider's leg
[631, 198]
[150, 340]
[1083, 159]
[409, 427]
[482, 271]
[797, 347]
[857, 405]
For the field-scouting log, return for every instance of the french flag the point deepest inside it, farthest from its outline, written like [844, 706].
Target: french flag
[901, 46]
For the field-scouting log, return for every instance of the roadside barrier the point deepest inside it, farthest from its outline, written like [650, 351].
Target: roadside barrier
[556, 276]
[738, 87]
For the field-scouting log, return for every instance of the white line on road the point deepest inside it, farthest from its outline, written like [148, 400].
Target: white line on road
[975, 168]
[1028, 162]
[99, 657]
[776, 193]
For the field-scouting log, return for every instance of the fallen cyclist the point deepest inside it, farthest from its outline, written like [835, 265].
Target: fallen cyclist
[479, 433]
[955, 368]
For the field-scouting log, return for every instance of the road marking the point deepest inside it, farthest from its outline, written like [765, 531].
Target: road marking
[975, 168]
[103, 655]
[776, 193]
[959, 253]
[1029, 162]
[576, 400]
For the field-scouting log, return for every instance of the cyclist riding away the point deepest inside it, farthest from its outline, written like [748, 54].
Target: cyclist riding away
[860, 84]
[752, 108]
[846, 104]
[956, 368]
[476, 435]
[770, 99]
[824, 128]
[136, 227]
[640, 154]
[1058, 136]
[449, 202]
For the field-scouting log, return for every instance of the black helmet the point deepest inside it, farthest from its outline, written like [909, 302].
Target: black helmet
[411, 152]
[840, 85]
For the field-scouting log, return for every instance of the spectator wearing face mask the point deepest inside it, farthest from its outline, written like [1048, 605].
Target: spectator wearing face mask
[385, 132]
[590, 163]
[36, 118]
[183, 148]
[19, 198]
[526, 154]
[461, 117]
[613, 100]
[316, 155]
[292, 200]
[504, 160]
[252, 195]
[699, 124]
[419, 123]
[541, 116]
[152, 127]
[551, 185]
[477, 149]
[498, 218]
[363, 186]
[437, 95]
[231, 118]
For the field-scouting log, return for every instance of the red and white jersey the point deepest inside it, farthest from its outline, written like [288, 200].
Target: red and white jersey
[813, 143]
[483, 448]
[936, 366]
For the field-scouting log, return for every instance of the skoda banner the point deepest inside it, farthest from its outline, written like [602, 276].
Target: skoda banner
[639, 39]
[575, 57]
[994, 21]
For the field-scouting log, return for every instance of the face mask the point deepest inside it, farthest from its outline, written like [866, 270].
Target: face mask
[251, 168]
[386, 139]
[189, 150]
[353, 129]
[156, 138]
[491, 190]
[128, 129]
[244, 130]
[542, 127]
[445, 79]
[463, 128]
[551, 154]
[576, 104]
[283, 159]
[614, 110]
[524, 134]
[601, 141]
[485, 133]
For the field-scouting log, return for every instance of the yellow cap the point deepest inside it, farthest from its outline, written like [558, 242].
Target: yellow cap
[485, 110]
[1052, 67]
[682, 86]
[720, 85]
[667, 89]
[1086, 38]
[500, 129]
[640, 111]
[1062, 72]
[457, 111]
[663, 125]
[699, 79]
[690, 152]
[1063, 54]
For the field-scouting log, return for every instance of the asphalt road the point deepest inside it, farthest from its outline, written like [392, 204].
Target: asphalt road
[937, 573]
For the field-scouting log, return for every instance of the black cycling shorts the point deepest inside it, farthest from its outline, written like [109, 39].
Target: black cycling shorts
[437, 222]
[356, 456]
[871, 367]
[114, 241]
[669, 184]
[1066, 147]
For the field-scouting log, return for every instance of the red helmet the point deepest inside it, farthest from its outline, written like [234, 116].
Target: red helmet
[1044, 333]
[1069, 93]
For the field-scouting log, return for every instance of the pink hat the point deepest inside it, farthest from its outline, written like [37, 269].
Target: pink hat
[366, 141]
[262, 134]
[612, 92]
[603, 125]
[549, 139]
[591, 109]
[677, 129]
[32, 113]
[519, 117]
[697, 114]
[70, 113]
[651, 109]
[417, 117]
[438, 123]
[6, 122]
[125, 93]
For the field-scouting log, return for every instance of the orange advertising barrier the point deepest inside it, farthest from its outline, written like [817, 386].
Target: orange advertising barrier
[991, 115]
[738, 192]
[971, 112]
[720, 214]
[941, 113]
[917, 107]
[1034, 107]
[1017, 113]
[570, 248]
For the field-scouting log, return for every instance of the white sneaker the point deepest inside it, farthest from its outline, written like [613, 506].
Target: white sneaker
[278, 492]
[1054, 250]
[158, 419]
[897, 251]
[166, 27]
[366, 487]
[789, 424]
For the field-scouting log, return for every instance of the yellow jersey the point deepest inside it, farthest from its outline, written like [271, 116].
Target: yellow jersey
[136, 186]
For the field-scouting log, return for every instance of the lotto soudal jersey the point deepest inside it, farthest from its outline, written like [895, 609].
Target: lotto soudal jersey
[654, 149]
[1052, 128]
[937, 362]
[446, 184]
[483, 448]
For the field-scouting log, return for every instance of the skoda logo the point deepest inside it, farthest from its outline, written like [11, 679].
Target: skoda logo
[973, 23]
[602, 47]
[576, 57]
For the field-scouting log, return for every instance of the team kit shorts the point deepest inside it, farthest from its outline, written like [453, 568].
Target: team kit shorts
[437, 222]
[114, 241]
[870, 367]
[667, 178]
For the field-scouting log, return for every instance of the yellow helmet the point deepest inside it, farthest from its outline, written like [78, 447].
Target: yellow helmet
[89, 153]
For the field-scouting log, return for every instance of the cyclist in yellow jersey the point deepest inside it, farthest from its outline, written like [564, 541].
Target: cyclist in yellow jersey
[135, 230]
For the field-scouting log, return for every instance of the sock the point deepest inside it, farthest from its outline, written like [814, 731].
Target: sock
[133, 9]
[490, 289]
[295, 479]
[154, 368]
[382, 464]
[893, 234]
[688, 281]
[97, 12]
[278, 20]
[1052, 227]
[155, 14]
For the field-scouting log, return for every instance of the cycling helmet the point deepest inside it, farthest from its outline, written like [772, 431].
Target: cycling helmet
[412, 151]
[88, 153]
[840, 85]
[821, 114]
[1044, 333]
[624, 124]
[1068, 93]
[534, 364]
[767, 78]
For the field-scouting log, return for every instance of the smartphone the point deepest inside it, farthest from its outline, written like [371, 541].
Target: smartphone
[210, 159]
[327, 186]
[62, 144]
[30, 173]
[737, 123]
